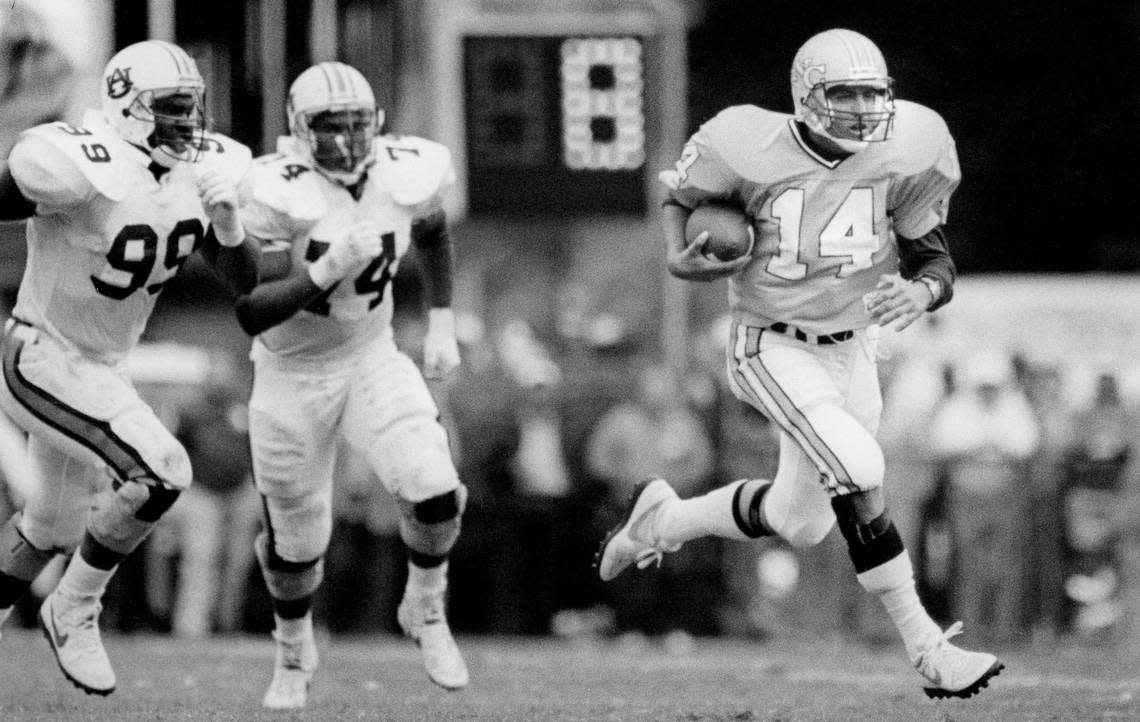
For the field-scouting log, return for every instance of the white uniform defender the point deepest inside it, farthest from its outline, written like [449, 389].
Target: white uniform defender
[114, 208]
[336, 209]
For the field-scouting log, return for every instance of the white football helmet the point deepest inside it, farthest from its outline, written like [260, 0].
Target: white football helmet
[154, 97]
[334, 119]
[842, 58]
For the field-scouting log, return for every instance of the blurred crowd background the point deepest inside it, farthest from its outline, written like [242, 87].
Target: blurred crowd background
[1011, 417]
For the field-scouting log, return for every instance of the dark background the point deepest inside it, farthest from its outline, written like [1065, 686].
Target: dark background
[1041, 98]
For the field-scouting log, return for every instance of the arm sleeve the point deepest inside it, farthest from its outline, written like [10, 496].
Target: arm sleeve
[922, 201]
[929, 255]
[13, 205]
[237, 267]
[433, 243]
[283, 291]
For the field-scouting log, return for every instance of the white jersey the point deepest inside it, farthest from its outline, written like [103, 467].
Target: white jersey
[295, 205]
[106, 235]
[825, 230]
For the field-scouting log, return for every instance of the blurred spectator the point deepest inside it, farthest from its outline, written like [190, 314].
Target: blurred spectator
[658, 434]
[205, 541]
[985, 432]
[1044, 514]
[36, 78]
[1103, 442]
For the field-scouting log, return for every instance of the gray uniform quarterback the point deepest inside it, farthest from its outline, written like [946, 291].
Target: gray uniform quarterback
[846, 199]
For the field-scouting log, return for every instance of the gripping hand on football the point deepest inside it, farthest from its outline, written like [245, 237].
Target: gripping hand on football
[361, 243]
[691, 263]
[220, 201]
[441, 350]
[897, 300]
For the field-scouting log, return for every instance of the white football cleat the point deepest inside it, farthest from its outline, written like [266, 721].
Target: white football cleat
[422, 617]
[292, 673]
[954, 672]
[634, 539]
[72, 629]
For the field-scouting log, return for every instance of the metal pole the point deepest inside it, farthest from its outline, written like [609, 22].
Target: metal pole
[160, 20]
[272, 22]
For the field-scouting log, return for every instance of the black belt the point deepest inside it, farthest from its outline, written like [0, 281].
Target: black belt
[826, 339]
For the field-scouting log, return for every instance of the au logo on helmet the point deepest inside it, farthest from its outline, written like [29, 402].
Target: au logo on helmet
[119, 82]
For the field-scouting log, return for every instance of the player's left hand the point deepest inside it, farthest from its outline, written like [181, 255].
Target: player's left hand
[441, 349]
[220, 200]
[896, 300]
[691, 263]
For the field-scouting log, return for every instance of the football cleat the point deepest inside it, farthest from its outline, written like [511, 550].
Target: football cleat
[72, 629]
[422, 618]
[292, 673]
[955, 672]
[634, 539]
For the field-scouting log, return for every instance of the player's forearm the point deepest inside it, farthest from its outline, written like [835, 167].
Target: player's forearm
[236, 266]
[673, 218]
[271, 303]
[433, 242]
[929, 255]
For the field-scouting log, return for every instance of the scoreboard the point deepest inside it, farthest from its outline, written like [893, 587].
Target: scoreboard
[555, 124]
[557, 108]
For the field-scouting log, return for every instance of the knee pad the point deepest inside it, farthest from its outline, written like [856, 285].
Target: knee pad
[871, 542]
[129, 515]
[430, 527]
[287, 580]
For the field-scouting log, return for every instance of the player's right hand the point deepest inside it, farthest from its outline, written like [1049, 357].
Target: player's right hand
[361, 243]
[692, 264]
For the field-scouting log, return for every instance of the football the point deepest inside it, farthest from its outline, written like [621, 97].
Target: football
[730, 231]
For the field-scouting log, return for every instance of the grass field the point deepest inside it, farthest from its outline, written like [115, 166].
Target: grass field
[548, 679]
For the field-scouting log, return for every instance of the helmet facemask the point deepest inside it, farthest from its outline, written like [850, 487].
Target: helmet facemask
[852, 113]
[177, 120]
[339, 140]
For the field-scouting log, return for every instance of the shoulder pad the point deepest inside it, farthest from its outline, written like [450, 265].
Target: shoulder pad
[920, 137]
[743, 130]
[414, 170]
[96, 154]
[226, 156]
[286, 188]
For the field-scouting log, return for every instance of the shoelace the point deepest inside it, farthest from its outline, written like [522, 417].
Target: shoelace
[654, 554]
[952, 631]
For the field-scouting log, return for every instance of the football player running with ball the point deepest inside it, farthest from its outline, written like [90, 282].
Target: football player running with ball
[336, 209]
[114, 209]
[848, 199]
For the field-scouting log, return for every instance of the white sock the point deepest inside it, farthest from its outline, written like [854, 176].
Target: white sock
[710, 514]
[893, 584]
[427, 580]
[82, 581]
[294, 628]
